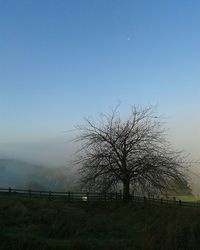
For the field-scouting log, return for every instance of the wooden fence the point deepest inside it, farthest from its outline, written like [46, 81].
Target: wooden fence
[92, 197]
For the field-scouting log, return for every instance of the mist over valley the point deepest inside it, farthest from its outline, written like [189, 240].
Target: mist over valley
[24, 175]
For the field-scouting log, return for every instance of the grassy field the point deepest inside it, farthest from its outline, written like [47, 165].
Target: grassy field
[192, 198]
[42, 224]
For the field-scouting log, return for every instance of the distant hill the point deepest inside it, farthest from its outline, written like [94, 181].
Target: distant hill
[20, 174]
[16, 174]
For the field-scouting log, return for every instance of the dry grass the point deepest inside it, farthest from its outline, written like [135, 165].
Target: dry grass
[39, 224]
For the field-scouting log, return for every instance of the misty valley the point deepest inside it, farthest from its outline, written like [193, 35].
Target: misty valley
[22, 175]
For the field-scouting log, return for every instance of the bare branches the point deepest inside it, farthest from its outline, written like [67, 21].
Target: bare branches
[131, 152]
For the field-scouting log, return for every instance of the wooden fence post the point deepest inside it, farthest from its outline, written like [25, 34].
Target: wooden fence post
[69, 196]
[49, 195]
[120, 193]
[104, 196]
[66, 195]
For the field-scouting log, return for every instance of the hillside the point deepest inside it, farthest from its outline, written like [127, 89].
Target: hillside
[50, 225]
[15, 173]
[20, 174]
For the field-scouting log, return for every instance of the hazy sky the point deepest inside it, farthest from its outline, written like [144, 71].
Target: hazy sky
[63, 60]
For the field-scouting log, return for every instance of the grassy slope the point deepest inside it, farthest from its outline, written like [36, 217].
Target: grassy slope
[39, 224]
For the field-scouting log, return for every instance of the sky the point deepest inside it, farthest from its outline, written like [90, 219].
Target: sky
[64, 60]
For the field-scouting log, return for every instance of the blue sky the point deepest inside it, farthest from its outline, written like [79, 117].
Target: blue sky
[63, 60]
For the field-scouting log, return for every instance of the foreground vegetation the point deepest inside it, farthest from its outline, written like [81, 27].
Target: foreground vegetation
[42, 224]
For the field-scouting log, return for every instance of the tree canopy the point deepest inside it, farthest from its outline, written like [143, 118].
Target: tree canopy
[130, 152]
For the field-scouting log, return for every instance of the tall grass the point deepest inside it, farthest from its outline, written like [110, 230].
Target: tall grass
[39, 224]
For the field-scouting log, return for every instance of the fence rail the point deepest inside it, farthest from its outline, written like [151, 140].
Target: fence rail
[92, 197]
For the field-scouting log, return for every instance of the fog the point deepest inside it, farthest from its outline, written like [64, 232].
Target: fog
[59, 151]
[52, 152]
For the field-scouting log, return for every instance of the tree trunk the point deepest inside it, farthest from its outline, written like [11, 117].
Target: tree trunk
[126, 190]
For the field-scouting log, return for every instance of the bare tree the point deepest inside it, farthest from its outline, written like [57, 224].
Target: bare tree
[131, 152]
